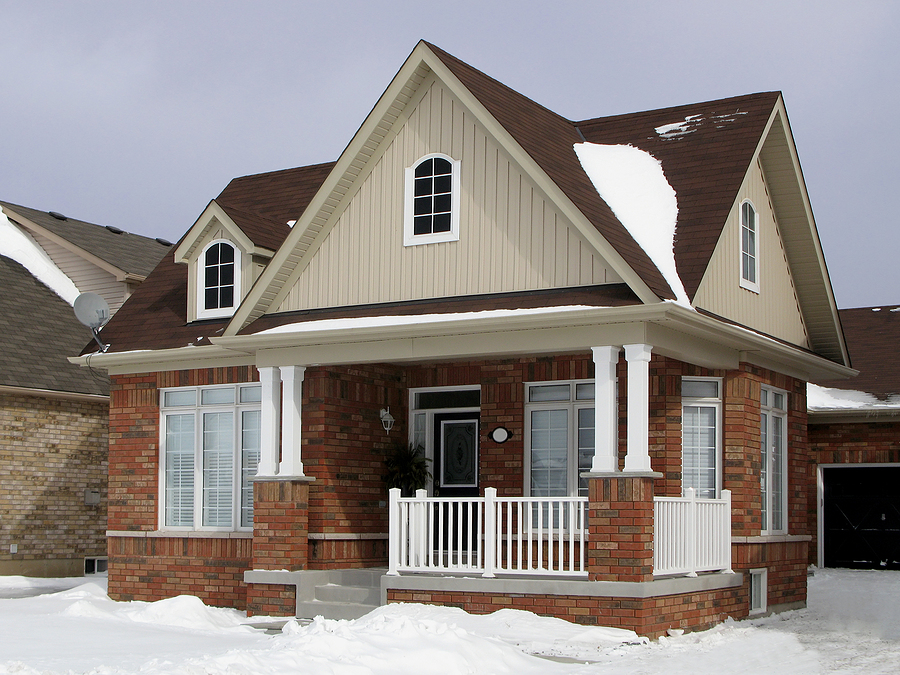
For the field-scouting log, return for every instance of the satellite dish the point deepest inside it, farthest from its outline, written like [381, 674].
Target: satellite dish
[93, 312]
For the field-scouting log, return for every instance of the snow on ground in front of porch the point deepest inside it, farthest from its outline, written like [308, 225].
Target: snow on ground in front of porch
[631, 181]
[415, 319]
[852, 625]
[826, 398]
[18, 245]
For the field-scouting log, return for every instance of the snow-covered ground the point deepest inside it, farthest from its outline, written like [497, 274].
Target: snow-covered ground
[852, 625]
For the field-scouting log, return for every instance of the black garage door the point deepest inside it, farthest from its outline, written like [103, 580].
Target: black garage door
[862, 517]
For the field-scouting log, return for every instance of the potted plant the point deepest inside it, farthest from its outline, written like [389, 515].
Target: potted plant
[407, 468]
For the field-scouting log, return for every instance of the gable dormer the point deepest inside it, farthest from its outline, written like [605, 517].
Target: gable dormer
[223, 262]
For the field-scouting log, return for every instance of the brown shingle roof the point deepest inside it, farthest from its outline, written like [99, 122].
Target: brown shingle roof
[606, 295]
[155, 316]
[873, 337]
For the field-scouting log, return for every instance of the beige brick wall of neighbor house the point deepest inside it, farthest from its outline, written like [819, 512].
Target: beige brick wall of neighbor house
[51, 452]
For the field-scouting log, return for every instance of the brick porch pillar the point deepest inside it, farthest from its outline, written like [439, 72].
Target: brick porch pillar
[280, 540]
[620, 525]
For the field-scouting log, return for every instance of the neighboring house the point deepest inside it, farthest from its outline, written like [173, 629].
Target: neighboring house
[617, 436]
[854, 436]
[53, 414]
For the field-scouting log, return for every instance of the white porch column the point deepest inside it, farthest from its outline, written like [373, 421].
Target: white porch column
[269, 421]
[292, 395]
[637, 459]
[606, 445]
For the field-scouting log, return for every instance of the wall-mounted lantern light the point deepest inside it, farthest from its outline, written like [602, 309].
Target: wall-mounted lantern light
[387, 420]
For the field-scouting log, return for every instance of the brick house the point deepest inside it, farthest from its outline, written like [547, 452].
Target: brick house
[53, 414]
[854, 437]
[600, 333]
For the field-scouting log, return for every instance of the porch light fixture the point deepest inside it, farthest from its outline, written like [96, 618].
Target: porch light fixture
[387, 420]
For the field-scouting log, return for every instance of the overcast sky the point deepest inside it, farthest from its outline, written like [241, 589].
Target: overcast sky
[136, 114]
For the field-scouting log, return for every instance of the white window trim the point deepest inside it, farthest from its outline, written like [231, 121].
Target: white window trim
[770, 410]
[198, 410]
[573, 405]
[410, 239]
[752, 286]
[708, 402]
[200, 283]
[762, 574]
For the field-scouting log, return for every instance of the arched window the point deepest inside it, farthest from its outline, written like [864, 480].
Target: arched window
[749, 248]
[432, 201]
[219, 276]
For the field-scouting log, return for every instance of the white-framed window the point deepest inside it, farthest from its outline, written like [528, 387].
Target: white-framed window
[218, 280]
[773, 461]
[431, 210]
[749, 247]
[759, 590]
[559, 437]
[209, 452]
[701, 435]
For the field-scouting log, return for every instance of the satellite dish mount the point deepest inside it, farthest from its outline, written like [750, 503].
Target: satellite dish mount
[93, 312]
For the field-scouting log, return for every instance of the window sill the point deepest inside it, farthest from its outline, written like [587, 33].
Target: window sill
[771, 539]
[180, 534]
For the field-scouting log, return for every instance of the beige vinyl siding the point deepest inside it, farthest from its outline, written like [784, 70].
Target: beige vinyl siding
[86, 276]
[511, 236]
[775, 310]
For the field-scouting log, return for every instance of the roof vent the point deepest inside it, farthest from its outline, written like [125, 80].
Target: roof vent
[164, 242]
[114, 230]
[56, 215]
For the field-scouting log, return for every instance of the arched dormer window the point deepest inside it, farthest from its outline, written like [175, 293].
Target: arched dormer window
[431, 211]
[749, 247]
[219, 280]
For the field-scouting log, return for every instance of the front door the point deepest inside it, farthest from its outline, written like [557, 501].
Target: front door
[456, 454]
[455, 475]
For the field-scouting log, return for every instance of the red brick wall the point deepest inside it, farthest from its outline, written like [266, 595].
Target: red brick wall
[620, 541]
[153, 568]
[646, 616]
[280, 525]
[271, 600]
[786, 563]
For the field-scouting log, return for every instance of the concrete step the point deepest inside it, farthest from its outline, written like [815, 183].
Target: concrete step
[341, 593]
[333, 610]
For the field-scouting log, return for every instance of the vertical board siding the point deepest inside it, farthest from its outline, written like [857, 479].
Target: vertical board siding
[775, 309]
[511, 237]
[86, 276]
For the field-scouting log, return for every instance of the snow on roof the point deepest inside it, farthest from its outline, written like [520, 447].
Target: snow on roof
[406, 320]
[19, 246]
[825, 398]
[687, 126]
[631, 181]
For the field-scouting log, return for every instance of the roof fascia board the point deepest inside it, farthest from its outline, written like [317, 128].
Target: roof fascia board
[117, 272]
[180, 358]
[852, 416]
[50, 393]
[254, 305]
[671, 329]
[213, 211]
[779, 114]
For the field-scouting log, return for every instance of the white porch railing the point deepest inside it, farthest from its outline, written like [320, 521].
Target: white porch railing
[691, 535]
[487, 535]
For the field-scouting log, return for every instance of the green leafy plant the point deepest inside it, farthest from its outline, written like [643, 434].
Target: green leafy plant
[407, 468]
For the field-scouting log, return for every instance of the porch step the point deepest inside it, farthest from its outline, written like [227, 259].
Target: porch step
[349, 594]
